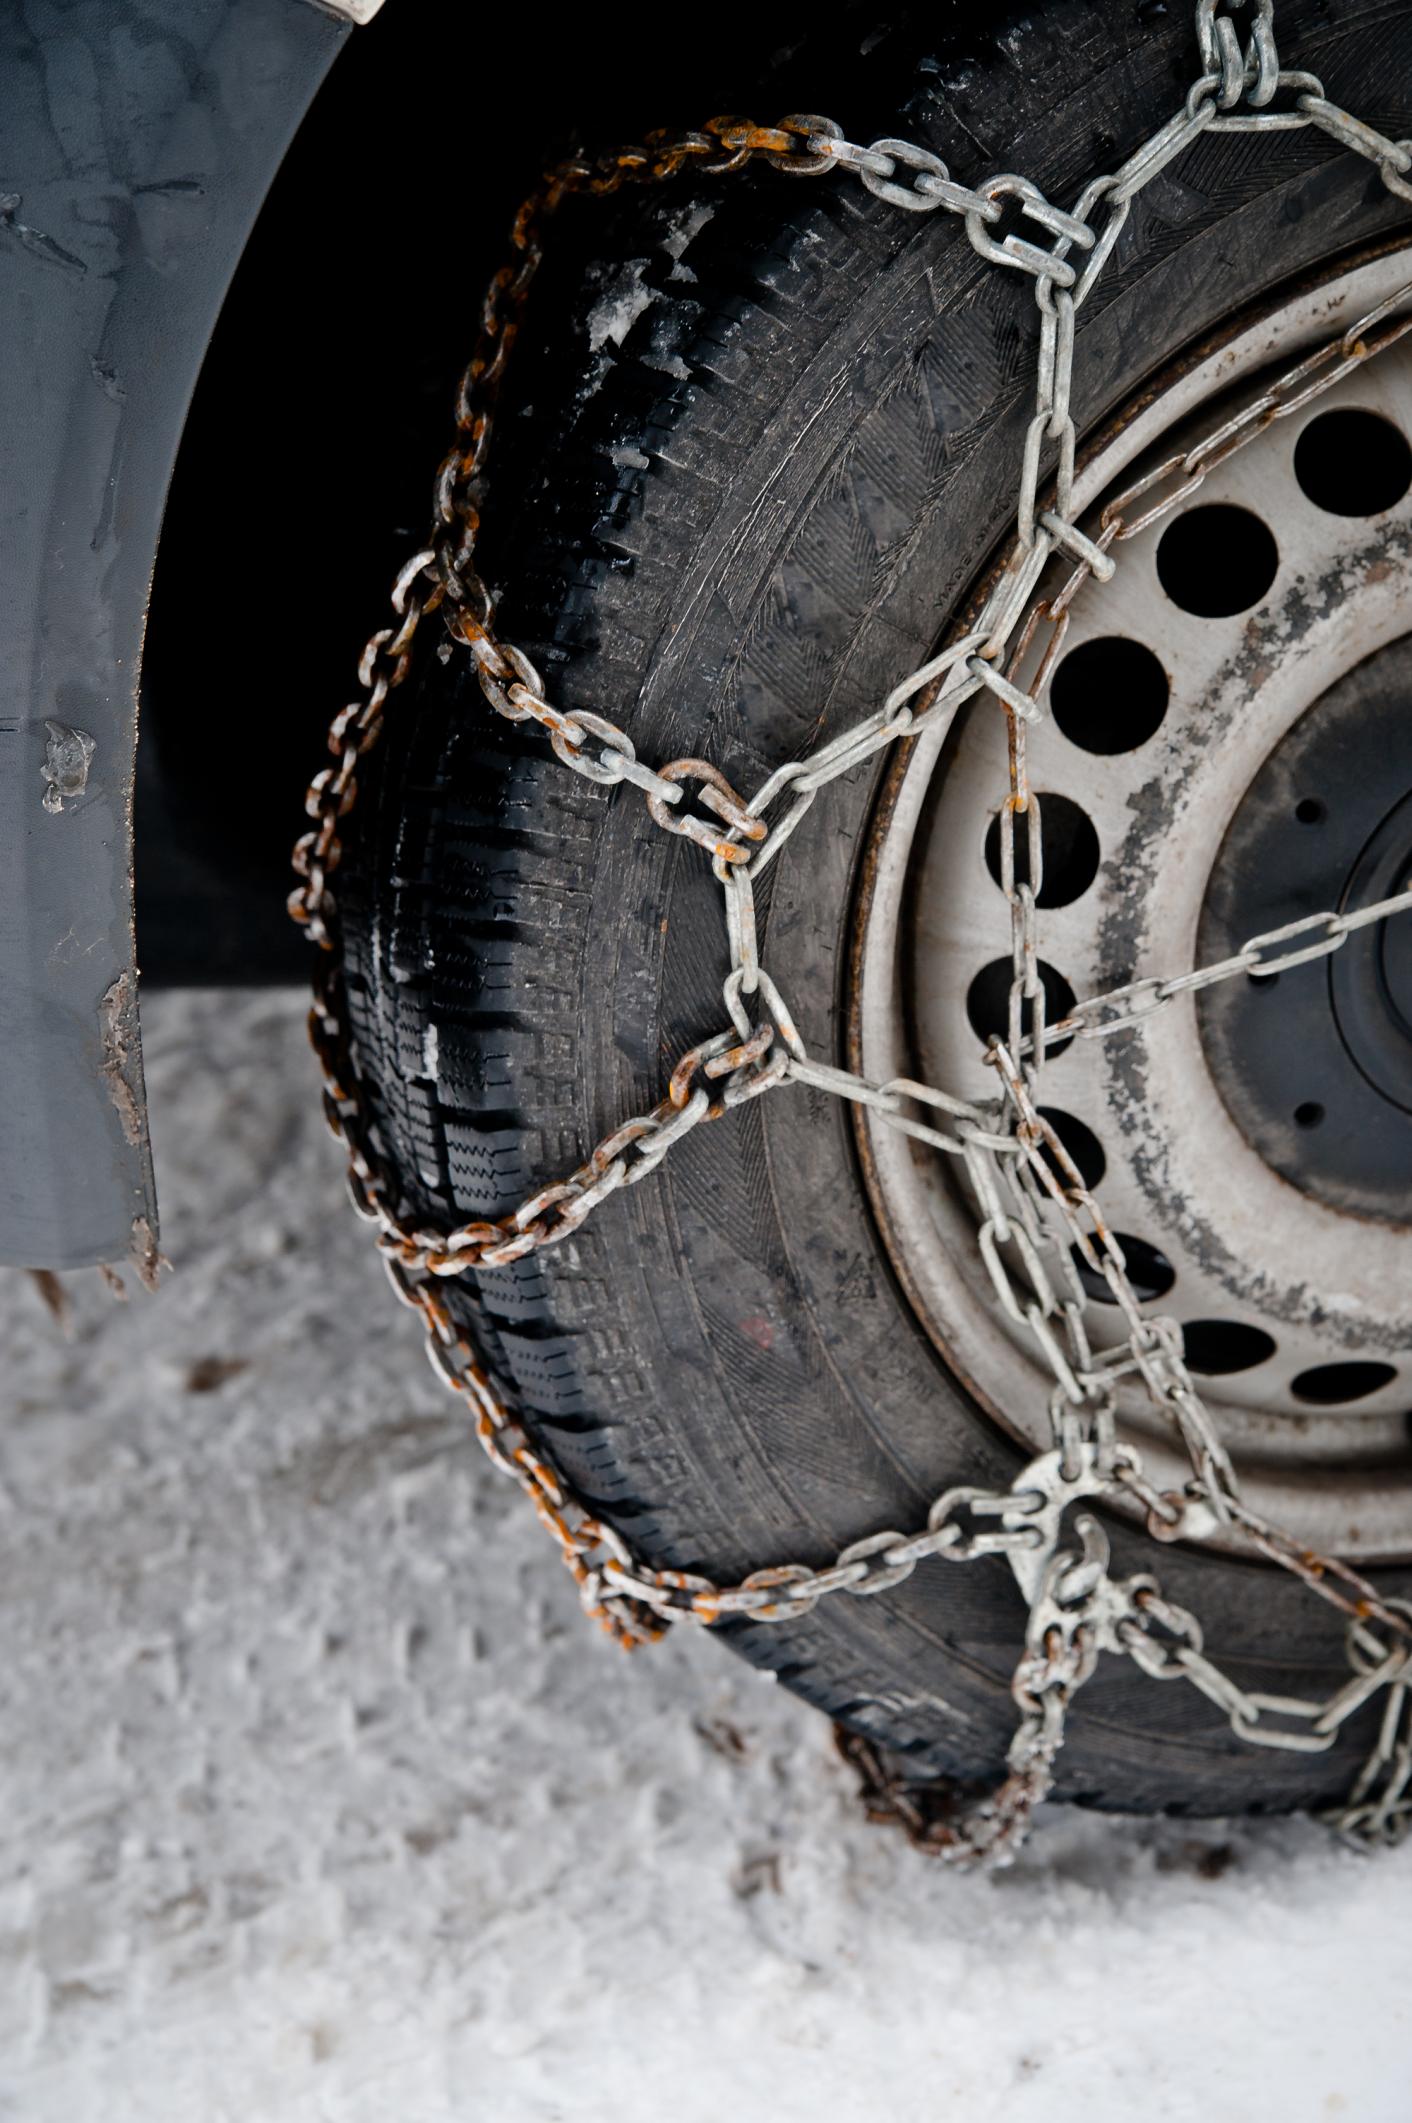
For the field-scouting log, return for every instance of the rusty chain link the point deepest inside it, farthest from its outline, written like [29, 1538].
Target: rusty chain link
[1034, 1212]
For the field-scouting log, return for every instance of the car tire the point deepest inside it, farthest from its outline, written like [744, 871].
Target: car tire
[762, 438]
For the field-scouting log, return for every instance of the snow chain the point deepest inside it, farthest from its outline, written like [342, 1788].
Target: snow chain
[1031, 1198]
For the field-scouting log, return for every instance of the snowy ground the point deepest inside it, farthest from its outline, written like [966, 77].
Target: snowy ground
[320, 1801]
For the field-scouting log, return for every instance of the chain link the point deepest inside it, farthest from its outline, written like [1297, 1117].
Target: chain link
[1099, 1016]
[1035, 1216]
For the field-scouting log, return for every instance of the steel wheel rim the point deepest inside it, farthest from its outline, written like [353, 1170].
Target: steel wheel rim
[1242, 1239]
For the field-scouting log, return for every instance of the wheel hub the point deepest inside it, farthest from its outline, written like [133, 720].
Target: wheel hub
[1330, 1111]
[1251, 655]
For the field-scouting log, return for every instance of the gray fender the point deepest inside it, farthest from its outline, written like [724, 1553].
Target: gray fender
[139, 138]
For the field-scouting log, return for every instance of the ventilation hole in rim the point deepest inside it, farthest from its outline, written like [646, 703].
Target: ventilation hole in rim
[1109, 695]
[1310, 811]
[1353, 463]
[988, 1002]
[1310, 1114]
[1328, 1384]
[1081, 1143]
[1216, 1348]
[1150, 1272]
[1068, 851]
[1217, 560]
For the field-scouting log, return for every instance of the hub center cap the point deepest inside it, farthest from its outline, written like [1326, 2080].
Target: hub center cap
[1329, 1108]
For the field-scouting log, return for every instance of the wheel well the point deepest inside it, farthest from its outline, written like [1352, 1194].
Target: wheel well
[323, 406]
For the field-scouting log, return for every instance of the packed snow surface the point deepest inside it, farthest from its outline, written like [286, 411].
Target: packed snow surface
[321, 1801]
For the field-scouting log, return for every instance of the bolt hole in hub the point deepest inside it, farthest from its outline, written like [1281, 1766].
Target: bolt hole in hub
[1109, 695]
[1150, 1274]
[1217, 560]
[1068, 851]
[1229, 749]
[1082, 1145]
[1353, 463]
[1216, 1348]
[1329, 1385]
[988, 1002]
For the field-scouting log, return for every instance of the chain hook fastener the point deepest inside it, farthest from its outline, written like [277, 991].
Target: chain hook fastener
[718, 796]
[1014, 250]
[1041, 1493]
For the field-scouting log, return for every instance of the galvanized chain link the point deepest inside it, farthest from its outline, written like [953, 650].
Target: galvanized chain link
[1313, 936]
[1034, 1213]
